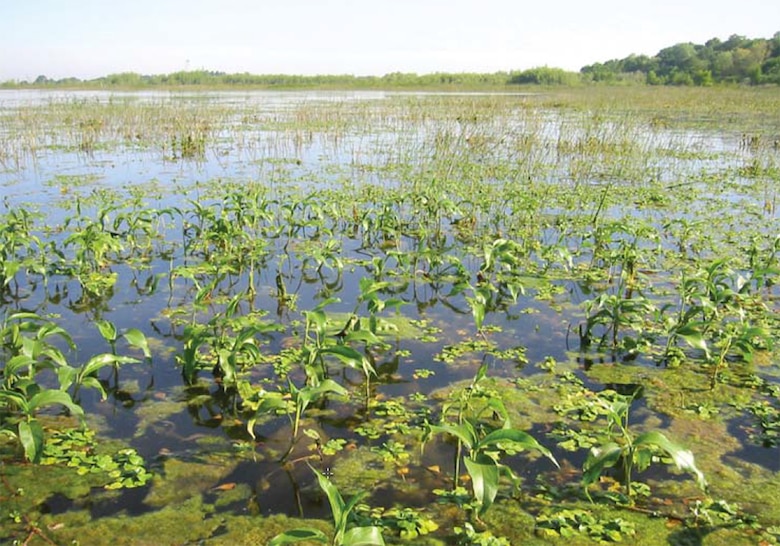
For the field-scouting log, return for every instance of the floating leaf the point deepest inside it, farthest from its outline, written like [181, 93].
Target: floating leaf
[298, 535]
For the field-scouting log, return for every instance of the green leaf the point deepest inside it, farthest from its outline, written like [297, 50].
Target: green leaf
[298, 535]
[16, 364]
[107, 330]
[66, 376]
[50, 397]
[364, 536]
[318, 319]
[95, 383]
[335, 499]
[365, 336]
[100, 361]
[477, 311]
[350, 357]
[682, 458]
[308, 394]
[137, 339]
[17, 399]
[598, 459]
[484, 480]
[481, 373]
[691, 333]
[464, 432]
[31, 438]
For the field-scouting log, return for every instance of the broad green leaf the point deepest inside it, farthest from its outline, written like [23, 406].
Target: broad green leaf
[50, 329]
[598, 459]
[481, 373]
[341, 526]
[335, 499]
[327, 301]
[66, 376]
[497, 405]
[94, 382]
[464, 432]
[682, 458]
[691, 333]
[226, 363]
[24, 315]
[484, 480]
[50, 397]
[365, 336]
[349, 356]
[102, 360]
[137, 339]
[329, 385]
[363, 536]
[107, 330]
[308, 394]
[31, 438]
[298, 535]
[370, 286]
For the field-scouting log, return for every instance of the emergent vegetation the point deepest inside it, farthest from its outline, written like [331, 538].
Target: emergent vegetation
[387, 318]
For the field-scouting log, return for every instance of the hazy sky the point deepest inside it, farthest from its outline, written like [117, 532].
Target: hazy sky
[91, 38]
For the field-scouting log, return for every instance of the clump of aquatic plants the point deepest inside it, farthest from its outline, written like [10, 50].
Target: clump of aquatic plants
[77, 448]
[717, 314]
[628, 451]
[572, 523]
[29, 351]
[481, 444]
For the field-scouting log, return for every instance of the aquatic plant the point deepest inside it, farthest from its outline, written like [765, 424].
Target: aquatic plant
[347, 533]
[484, 446]
[630, 451]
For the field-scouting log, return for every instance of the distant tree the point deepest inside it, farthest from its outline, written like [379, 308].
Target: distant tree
[680, 77]
[639, 63]
[655, 79]
[770, 71]
[544, 75]
[723, 65]
[124, 79]
[703, 78]
[735, 41]
[774, 45]
[678, 58]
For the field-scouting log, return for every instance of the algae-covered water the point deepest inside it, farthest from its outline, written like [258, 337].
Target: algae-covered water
[240, 288]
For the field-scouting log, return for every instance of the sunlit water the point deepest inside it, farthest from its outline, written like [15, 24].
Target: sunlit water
[51, 180]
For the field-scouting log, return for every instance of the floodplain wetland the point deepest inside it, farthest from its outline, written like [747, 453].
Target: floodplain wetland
[383, 318]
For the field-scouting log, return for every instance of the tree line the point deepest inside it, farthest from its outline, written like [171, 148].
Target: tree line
[736, 60]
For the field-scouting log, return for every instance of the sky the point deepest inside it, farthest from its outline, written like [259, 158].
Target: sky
[92, 38]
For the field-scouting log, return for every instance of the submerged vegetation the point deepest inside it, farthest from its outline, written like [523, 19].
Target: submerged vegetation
[378, 318]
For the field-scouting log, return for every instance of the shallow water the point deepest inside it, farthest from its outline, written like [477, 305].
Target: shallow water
[299, 144]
